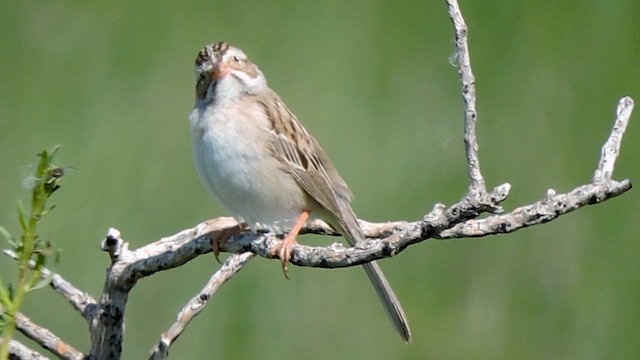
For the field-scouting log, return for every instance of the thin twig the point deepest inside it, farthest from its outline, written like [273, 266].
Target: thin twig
[477, 196]
[45, 338]
[463, 61]
[230, 267]
[19, 351]
[80, 300]
[611, 149]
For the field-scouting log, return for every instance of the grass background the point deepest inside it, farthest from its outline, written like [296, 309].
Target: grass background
[112, 83]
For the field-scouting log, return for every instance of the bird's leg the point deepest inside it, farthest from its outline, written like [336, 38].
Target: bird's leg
[287, 243]
[220, 238]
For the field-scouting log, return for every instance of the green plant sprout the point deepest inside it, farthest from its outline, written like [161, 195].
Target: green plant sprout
[31, 251]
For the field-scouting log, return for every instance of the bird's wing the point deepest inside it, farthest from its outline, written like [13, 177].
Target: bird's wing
[305, 160]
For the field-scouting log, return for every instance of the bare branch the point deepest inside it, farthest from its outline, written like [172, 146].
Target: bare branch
[463, 60]
[45, 338]
[81, 301]
[545, 210]
[477, 198]
[230, 267]
[20, 352]
[385, 239]
[408, 234]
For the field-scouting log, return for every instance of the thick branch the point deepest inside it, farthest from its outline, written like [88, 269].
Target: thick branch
[407, 234]
[175, 251]
[107, 328]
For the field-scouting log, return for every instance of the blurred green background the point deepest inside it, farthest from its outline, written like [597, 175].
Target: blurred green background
[112, 83]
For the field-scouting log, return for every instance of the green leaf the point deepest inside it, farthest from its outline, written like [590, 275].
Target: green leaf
[43, 282]
[21, 218]
[3, 324]
[10, 239]
[57, 254]
[47, 211]
[5, 299]
[53, 152]
[41, 260]
[10, 292]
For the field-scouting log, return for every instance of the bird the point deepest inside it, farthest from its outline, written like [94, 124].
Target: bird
[264, 167]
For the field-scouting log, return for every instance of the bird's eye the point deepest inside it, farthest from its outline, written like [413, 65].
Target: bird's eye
[236, 59]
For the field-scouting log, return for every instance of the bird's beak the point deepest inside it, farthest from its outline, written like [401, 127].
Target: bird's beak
[220, 71]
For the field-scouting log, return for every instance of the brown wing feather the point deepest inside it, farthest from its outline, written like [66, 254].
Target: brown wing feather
[308, 163]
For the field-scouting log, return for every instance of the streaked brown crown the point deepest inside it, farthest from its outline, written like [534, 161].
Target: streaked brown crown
[212, 53]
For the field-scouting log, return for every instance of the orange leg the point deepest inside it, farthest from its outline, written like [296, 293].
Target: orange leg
[287, 243]
[221, 238]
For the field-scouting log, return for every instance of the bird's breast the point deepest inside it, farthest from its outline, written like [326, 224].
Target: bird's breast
[232, 155]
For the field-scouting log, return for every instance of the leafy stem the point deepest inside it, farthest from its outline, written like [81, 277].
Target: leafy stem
[29, 247]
